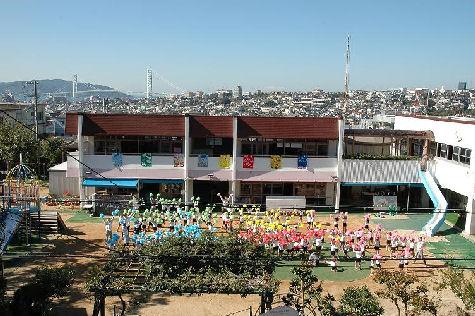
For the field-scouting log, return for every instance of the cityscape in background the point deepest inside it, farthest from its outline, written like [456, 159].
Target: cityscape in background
[365, 109]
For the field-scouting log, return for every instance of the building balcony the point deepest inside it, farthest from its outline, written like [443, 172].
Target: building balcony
[380, 171]
[318, 170]
[161, 168]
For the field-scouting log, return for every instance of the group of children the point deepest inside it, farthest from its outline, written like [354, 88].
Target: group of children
[291, 237]
[285, 232]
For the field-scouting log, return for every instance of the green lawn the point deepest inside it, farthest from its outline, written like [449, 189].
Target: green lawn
[413, 222]
[346, 271]
[455, 220]
[456, 246]
[83, 217]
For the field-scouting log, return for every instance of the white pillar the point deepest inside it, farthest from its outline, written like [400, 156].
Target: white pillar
[82, 195]
[235, 159]
[341, 139]
[470, 209]
[188, 181]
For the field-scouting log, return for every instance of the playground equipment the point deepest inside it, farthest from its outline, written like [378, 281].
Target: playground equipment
[19, 199]
[440, 204]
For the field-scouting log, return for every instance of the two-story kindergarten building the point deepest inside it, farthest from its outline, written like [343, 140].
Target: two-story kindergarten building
[257, 159]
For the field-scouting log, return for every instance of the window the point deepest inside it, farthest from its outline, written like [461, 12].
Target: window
[256, 189]
[130, 146]
[450, 151]
[277, 188]
[418, 147]
[214, 141]
[245, 188]
[322, 149]
[443, 151]
[465, 155]
[456, 153]
[99, 147]
[433, 149]
[149, 144]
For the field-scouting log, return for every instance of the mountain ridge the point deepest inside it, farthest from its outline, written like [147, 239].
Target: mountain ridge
[59, 87]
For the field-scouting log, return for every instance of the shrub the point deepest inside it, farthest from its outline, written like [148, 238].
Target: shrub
[35, 298]
[359, 301]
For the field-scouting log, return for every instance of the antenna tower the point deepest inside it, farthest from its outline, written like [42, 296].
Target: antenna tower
[347, 72]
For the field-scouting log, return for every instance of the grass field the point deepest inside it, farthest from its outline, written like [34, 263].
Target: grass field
[412, 222]
[83, 217]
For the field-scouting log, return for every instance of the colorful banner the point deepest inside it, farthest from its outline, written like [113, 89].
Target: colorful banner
[117, 160]
[146, 160]
[203, 161]
[275, 161]
[178, 160]
[248, 161]
[224, 161]
[302, 161]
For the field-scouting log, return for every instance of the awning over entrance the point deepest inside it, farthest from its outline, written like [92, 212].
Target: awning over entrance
[111, 183]
[161, 181]
[286, 176]
[382, 184]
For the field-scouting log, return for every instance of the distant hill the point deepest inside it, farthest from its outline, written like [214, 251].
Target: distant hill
[21, 91]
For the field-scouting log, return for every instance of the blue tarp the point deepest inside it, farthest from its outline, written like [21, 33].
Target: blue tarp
[111, 183]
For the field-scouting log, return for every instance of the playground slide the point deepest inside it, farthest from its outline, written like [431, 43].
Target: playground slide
[9, 222]
[440, 204]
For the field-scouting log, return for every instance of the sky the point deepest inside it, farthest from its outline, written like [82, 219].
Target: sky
[258, 44]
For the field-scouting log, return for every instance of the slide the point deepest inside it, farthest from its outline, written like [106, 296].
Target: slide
[9, 222]
[440, 204]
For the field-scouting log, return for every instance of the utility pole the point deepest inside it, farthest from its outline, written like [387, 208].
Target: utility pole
[35, 95]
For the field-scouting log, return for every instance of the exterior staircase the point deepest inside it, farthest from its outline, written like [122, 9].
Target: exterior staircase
[46, 223]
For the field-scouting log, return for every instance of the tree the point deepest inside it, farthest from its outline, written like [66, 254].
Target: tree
[359, 301]
[15, 140]
[404, 291]
[52, 151]
[35, 298]
[306, 293]
[462, 285]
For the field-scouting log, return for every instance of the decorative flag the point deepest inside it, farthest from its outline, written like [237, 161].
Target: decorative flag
[146, 160]
[275, 161]
[203, 161]
[178, 160]
[117, 160]
[224, 161]
[248, 161]
[302, 161]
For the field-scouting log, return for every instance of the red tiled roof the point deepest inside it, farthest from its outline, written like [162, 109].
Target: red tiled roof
[205, 126]
[288, 127]
[127, 125]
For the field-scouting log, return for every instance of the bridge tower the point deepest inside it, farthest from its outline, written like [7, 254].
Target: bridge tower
[75, 85]
[149, 83]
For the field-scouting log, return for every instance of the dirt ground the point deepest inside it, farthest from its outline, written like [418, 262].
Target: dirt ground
[84, 244]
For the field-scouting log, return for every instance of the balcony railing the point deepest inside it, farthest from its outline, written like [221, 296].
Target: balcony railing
[380, 171]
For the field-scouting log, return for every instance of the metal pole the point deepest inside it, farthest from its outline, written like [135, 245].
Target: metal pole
[408, 195]
[36, 108]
